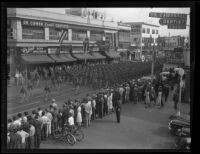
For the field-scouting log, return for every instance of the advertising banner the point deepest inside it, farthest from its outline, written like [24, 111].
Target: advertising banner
[167, 15]
[169, 21]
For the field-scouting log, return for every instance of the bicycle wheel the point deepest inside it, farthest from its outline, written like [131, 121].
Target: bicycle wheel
[71, 139]
[79, 135]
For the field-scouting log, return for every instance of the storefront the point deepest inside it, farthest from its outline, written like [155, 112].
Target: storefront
[35, 56]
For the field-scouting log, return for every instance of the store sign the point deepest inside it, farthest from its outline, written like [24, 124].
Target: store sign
[167, 15]
[53, 50]
[36, 23]
[176, 26]
[167, 21]
[29, 50]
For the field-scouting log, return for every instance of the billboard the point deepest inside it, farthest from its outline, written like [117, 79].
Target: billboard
[172, 21]
[167, 15]
[176, 26]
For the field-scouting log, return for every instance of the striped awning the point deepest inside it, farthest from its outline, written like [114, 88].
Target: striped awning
[36, 59]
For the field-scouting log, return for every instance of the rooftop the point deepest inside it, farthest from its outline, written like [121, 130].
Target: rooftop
[141, 23]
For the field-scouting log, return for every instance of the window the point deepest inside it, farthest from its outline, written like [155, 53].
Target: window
[156, 31]
[148, 30]
[32, 33]
[96, 36]
[78, 35]
[143, 30]
[153, 31]
[109, 37]
[55, 34]
[124, 36]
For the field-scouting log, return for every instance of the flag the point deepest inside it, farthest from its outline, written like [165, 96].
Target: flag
[63, 34]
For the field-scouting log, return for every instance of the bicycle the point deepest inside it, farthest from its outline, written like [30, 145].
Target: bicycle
[66, 136]
[78, 133]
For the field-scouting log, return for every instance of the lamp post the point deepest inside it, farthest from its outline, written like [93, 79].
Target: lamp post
[153, 59]
[181, 73]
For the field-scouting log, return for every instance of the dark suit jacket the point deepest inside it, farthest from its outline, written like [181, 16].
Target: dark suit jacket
[116, 98]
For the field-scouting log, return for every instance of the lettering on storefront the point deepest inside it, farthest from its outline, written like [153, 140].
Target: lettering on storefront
[36, 23]
[35, 50]
[53, 50]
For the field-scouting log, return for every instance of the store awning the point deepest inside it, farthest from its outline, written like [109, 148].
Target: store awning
[112, 54]
[69, 57]
[37, 59]
[61, 58]
[82, 56]
[97, 55]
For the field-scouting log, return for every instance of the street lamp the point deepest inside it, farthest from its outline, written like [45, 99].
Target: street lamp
[181, 73]
[153, 59]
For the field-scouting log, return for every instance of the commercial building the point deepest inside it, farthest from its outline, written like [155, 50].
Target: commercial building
[124, 41]
[33, 36]
[143, 36]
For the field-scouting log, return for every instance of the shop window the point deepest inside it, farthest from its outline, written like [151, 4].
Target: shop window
[78, 35]
[156, 31]
[55, 34]
[96, 36]
[143, 30]
[148, 30]
[32, 33]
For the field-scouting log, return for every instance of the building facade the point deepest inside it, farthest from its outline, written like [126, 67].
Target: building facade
[38, 32]
[143, 36]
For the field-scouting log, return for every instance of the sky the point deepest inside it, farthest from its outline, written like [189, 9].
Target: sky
[138, 15]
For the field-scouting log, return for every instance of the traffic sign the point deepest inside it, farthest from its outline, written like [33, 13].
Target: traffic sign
[176, 26]
[167, 15]
[170, 21]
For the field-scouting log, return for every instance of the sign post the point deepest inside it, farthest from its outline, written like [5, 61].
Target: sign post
[181, 73]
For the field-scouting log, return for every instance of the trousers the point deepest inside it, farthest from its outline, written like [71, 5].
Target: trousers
[118, 114]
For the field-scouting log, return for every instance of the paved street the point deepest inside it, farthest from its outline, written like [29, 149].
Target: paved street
[140, 128]
[67, 91]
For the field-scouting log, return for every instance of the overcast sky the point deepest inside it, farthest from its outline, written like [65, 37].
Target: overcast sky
[139, 15]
